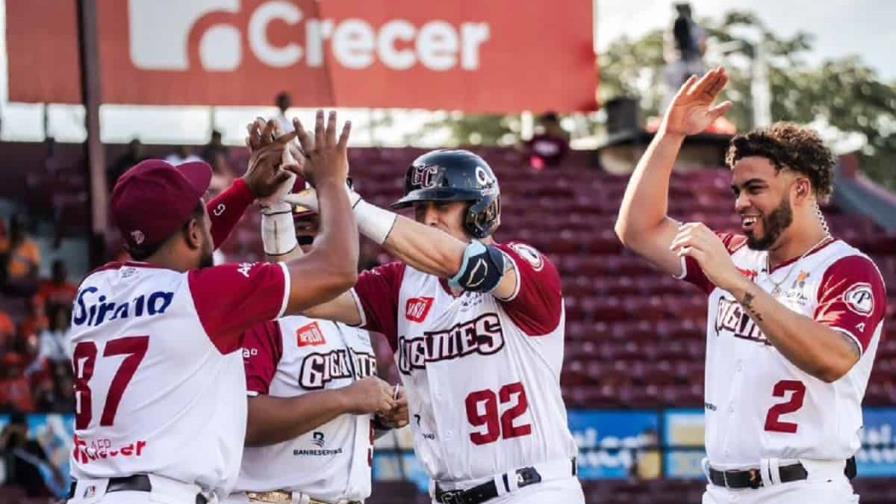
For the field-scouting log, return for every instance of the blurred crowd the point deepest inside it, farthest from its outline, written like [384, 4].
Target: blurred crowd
[35, 313]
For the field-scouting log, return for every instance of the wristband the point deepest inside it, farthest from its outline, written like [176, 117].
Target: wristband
[374, 222]
[278, 231]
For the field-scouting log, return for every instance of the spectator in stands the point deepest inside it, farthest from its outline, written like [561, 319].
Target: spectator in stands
[283, 101]
[54, 344]
[57, 290]
[215, 148]
[217, 155]
[21, 259]
[35, 319]
[64, 398]
[15, 391]
[685, 44]
[24, 459]
[182, 154]
[132, 156]
[549, 145]
[7, 331]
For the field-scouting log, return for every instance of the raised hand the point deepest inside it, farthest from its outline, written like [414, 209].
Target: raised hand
[325, 155]
[271, 164]
[691, 110]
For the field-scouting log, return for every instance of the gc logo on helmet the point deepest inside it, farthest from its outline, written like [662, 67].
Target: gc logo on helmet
[456, 175]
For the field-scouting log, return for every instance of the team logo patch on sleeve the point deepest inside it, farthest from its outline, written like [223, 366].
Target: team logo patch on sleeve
[860, 299]
[310, 335]
[529, 254]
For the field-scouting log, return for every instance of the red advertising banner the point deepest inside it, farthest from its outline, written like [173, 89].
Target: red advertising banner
[470, 55]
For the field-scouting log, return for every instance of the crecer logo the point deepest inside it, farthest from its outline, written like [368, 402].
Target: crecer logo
[160, 31]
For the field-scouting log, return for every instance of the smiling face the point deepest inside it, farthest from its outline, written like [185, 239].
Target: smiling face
[763, 200]
[445, 215]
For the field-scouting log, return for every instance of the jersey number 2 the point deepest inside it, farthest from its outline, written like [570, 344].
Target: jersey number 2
[489, 417]
[798, 394]
[83, 360]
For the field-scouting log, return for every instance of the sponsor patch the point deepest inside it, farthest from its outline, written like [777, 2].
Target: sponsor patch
[529, 254]
[310, 335]
[860, 299]
[417, 309]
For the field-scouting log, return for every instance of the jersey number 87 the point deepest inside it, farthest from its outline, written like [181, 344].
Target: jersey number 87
[83, 361]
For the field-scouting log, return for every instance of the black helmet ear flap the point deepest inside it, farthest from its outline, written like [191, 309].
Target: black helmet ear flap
[484, 216]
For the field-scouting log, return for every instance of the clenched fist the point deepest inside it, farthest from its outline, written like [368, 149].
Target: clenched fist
[368, 395]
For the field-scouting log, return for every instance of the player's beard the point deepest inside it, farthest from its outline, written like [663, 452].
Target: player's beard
[207, 259]
[772, 227]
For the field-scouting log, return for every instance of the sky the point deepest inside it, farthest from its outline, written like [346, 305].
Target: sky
[839, 27]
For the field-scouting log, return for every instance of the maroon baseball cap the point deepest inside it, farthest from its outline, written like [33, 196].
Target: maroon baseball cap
[154, 199]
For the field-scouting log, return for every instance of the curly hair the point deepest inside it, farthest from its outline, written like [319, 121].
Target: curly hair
[788, 145]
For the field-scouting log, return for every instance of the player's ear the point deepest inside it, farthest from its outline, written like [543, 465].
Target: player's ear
[193, 233]
[803, 189]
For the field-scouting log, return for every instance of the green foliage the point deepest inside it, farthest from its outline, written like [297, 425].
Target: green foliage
[845, 93]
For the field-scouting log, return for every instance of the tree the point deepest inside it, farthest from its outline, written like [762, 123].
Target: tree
[844, 93]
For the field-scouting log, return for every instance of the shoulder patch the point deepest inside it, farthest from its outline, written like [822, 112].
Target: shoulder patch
[529, 254]
[860, 299]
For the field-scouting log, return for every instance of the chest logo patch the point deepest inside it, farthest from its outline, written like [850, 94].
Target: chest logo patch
[860, 299]
[310, 335]
[417, 309]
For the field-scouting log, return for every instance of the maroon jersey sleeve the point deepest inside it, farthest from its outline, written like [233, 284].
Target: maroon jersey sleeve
[234, 297]
[693, 273]
[262, 349]
[538, 301]
[852, 298]
[377, 292]
[226, 209]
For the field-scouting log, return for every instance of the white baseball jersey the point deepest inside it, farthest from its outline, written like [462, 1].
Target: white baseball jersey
[159, 380]
[291, 357]
[759, 404]
[482, 375]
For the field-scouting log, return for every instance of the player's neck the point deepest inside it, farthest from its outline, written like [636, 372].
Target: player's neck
[797, 240]
[169, 258]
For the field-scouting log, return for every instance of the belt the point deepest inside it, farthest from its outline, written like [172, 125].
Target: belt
[752, 478]
[135, 483]
[285, 497]
[489, 490]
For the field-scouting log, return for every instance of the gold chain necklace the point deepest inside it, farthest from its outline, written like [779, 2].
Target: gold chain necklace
[777, 285]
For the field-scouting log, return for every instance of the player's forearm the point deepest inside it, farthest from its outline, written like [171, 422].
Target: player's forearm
[425, 248]
[341, 309]
[225, 210]
[276, 419]
[646, 200]
[813, 347]
[332, 266]
[338, 229]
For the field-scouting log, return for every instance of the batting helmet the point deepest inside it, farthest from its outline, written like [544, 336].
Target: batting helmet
[456, 175]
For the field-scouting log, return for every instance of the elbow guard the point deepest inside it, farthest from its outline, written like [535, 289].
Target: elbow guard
[481, 269]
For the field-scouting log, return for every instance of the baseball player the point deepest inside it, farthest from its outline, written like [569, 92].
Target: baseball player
[313, 395]
[477, 331]
[795, 315]
[159, 378]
